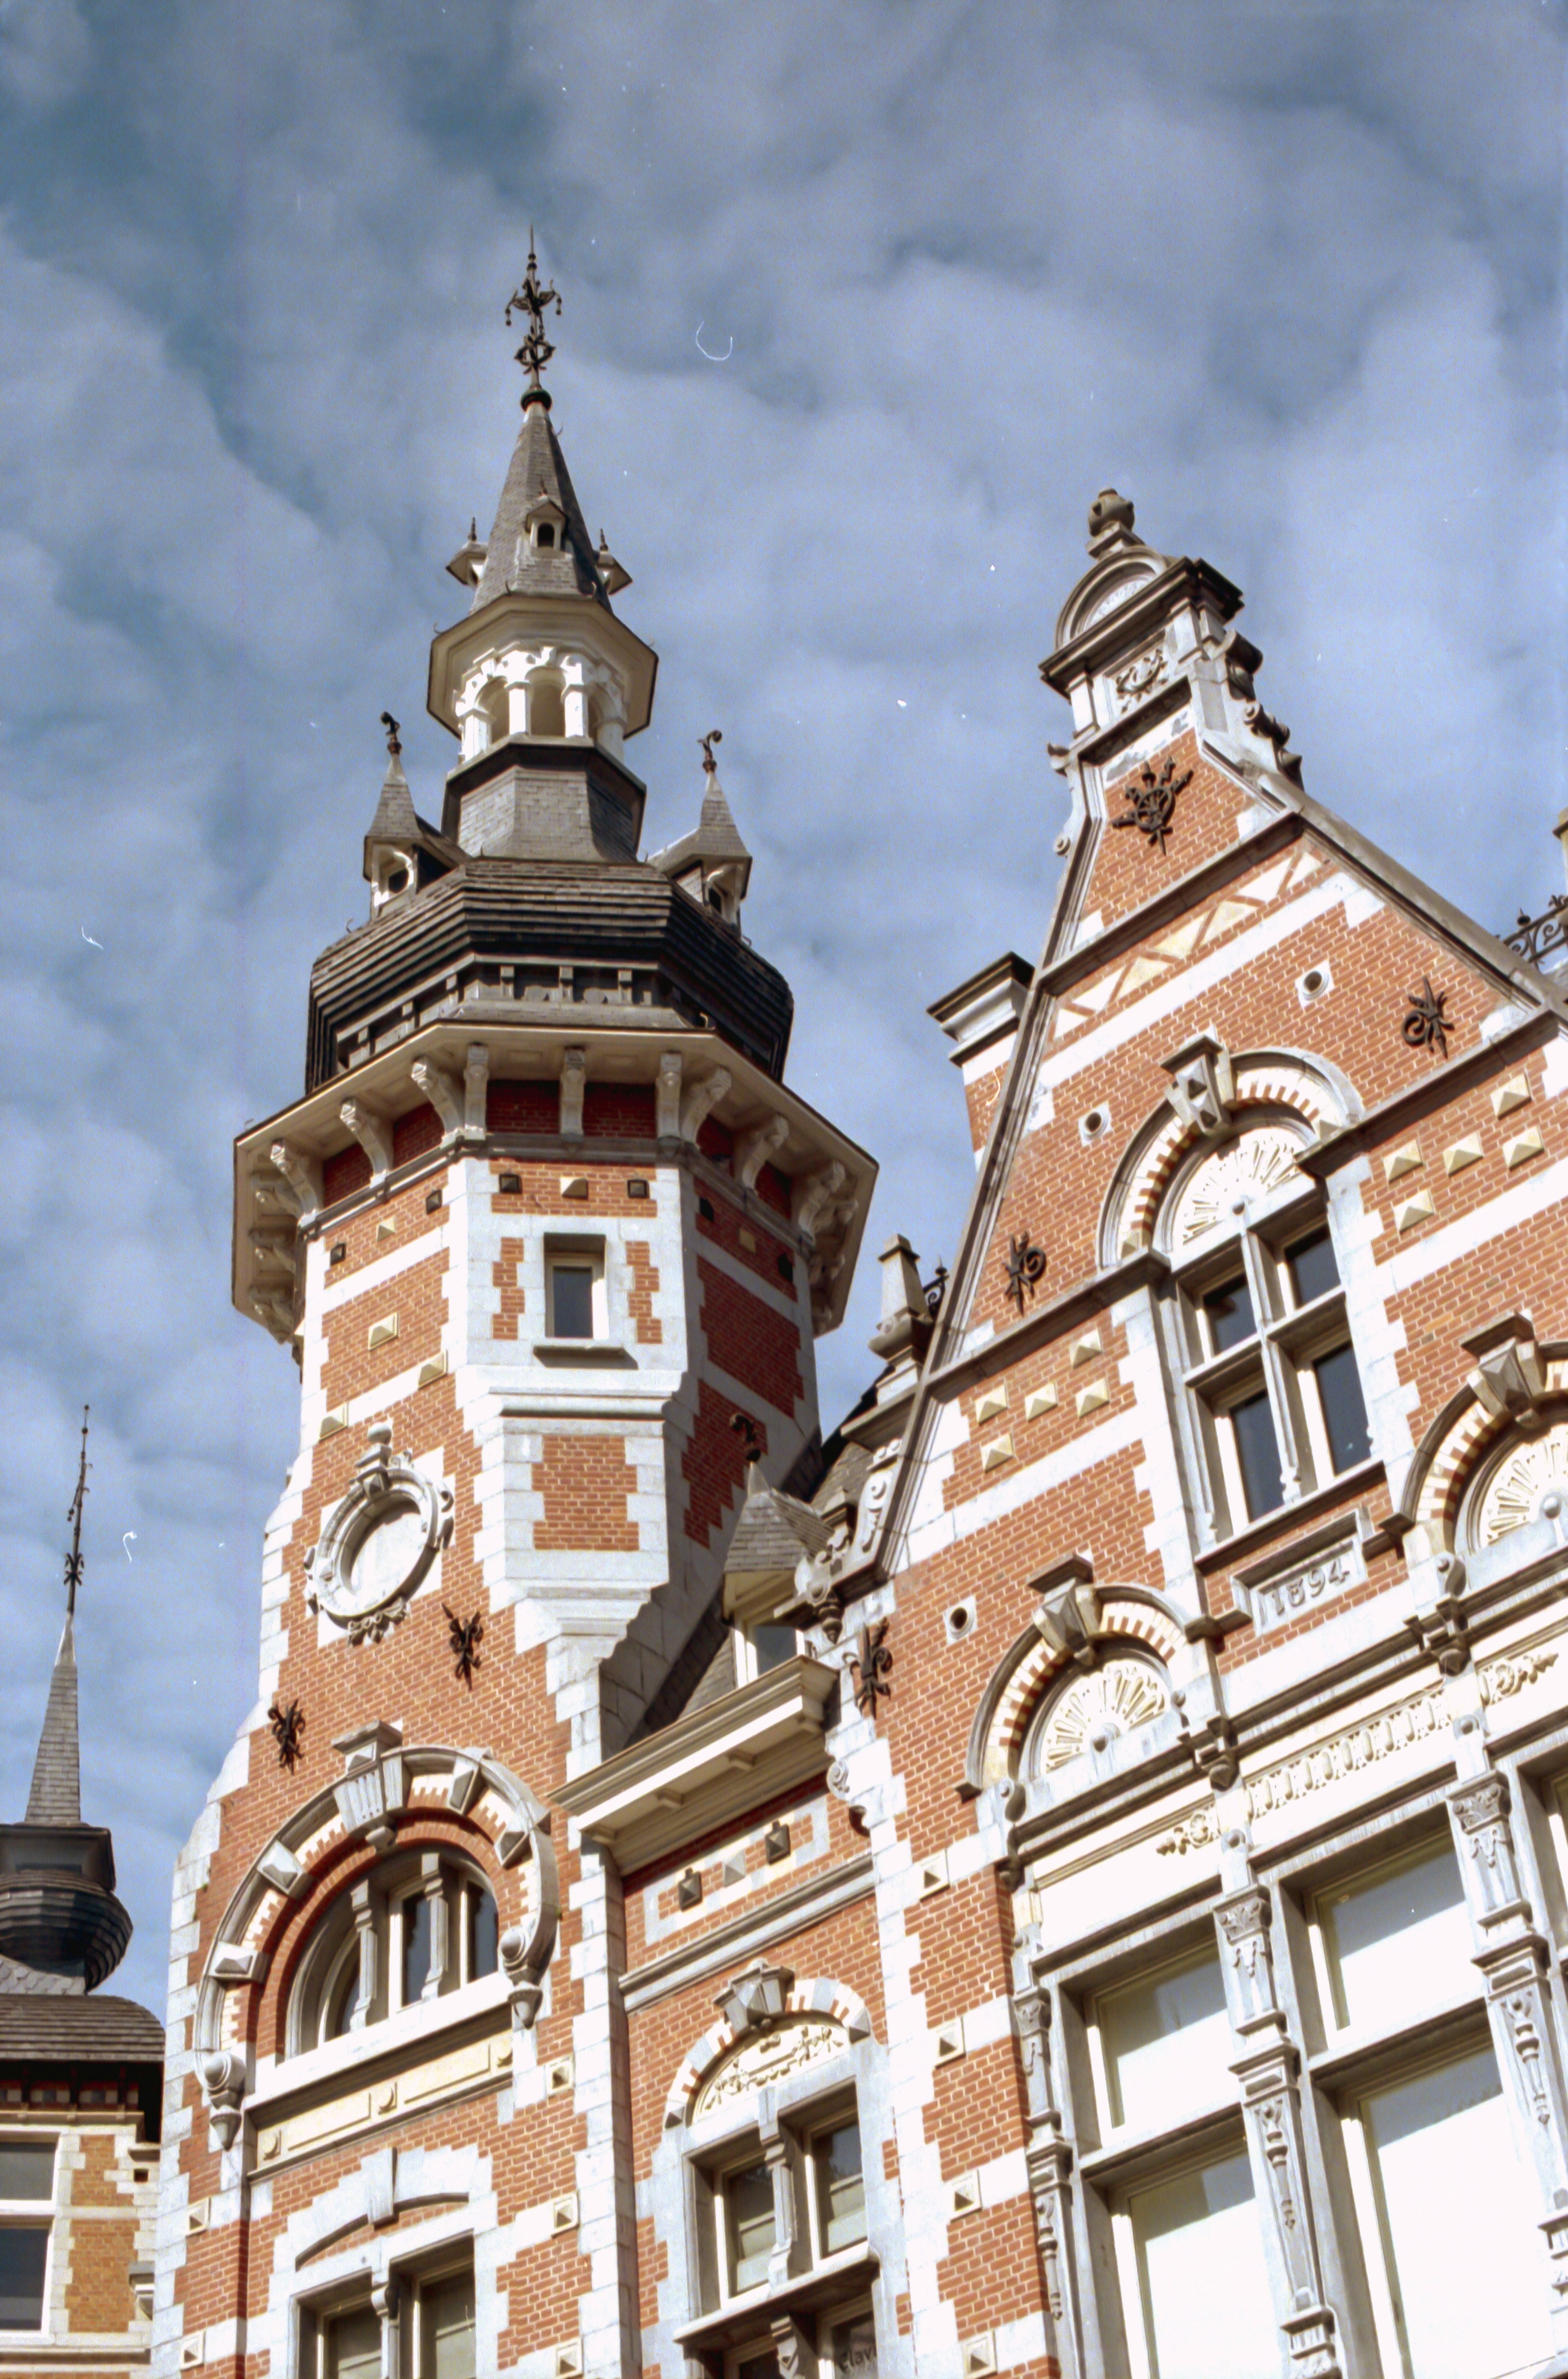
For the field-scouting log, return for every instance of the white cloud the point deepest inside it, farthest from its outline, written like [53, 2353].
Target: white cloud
[1286, 273]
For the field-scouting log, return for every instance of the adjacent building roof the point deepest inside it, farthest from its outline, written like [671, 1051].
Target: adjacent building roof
[97, 2029]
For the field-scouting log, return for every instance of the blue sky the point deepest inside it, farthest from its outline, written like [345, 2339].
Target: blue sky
[1290, 276]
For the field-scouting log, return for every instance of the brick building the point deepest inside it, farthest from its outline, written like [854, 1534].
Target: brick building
[1066, 1875]
[81, 2072]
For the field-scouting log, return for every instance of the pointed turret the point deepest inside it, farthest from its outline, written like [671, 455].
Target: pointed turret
[711, 863]
[402, 850]
[538, 542]
[61, 1926]
[56, 1796]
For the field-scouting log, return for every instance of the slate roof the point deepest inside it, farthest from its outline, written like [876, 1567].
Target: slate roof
[773, 1531]
[715, 839]
[56, 1796]
[95, 2030]
[512, 566]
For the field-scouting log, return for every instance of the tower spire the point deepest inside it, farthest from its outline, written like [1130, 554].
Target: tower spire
[56, 1796]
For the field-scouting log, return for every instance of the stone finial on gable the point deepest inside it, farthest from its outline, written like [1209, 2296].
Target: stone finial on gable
[1202, 1086]
[756, 1998]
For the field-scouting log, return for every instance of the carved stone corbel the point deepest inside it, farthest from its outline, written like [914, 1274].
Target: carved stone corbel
[372, 1133]
[814, 1191]
[1202, 1088]
[573, 1081]
[666, 1095]
[439, 1087]
[701, 1099]
[224, 2077]
[1509, 1380]
[276, 1312]
[303, 1174]
[754, 1148]
[1439, 1623]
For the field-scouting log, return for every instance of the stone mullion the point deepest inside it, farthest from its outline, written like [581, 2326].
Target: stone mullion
[1268, 2067]
[1515, 1956]
[1048, 2159]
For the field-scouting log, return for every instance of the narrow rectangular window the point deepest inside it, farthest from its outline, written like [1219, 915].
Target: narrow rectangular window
[1199, 2300]
[749, 2226]
[840, 2188]
[352, 2345]
[1395, 1941]
[1312, 1269]
[1228, 1312]
[24, 2258]
[446, 2328]
[1165, 2044]
[415, 1915]
[572, 1300]
[481, 1933]
[1257, 1454]
[771, 1645]
[1344, 1412]
[1435, 2142]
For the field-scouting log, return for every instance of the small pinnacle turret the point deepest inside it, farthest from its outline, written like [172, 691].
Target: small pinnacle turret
[60, 1923]
[712, 863]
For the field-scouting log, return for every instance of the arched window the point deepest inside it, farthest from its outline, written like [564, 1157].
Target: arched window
[418, 1927]
[495, 703]
[1262, 1339]
[547, 704]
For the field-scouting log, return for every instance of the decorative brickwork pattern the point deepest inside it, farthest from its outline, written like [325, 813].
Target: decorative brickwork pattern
[506, 1273]
[584, 1482]
[644, 1288]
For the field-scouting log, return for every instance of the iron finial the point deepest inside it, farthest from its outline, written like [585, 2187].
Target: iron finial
[73, 1514]
[710, 766]
[531, 297]
[390, 723]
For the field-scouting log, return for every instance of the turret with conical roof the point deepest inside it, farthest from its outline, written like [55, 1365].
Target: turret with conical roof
[61, 1926]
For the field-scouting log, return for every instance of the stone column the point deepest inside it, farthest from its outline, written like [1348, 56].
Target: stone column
[1267, 2066]
[1515, 1956]
[1048, 2158]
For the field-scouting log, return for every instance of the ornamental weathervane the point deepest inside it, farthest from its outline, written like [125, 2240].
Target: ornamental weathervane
[532, 299]
[73, 1514]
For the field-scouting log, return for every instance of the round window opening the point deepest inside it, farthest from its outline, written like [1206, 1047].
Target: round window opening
[1094, 1711]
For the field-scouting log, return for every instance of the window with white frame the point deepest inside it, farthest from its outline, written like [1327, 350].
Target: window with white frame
[817, 2165]
[762, 1644]
[417, 1928]
[1262, 1339]
[574, 1290]
[428, 2313]
[1186, 2233]
[1424, 2131]
[27, 2204]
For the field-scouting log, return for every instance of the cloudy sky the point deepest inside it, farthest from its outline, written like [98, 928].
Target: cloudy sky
[864, 303]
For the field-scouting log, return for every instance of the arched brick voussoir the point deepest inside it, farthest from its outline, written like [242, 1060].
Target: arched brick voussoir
[403, 1783]
[1029, 1667]
[1308, 1088]
[1459, 1438]
[822, 1998]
